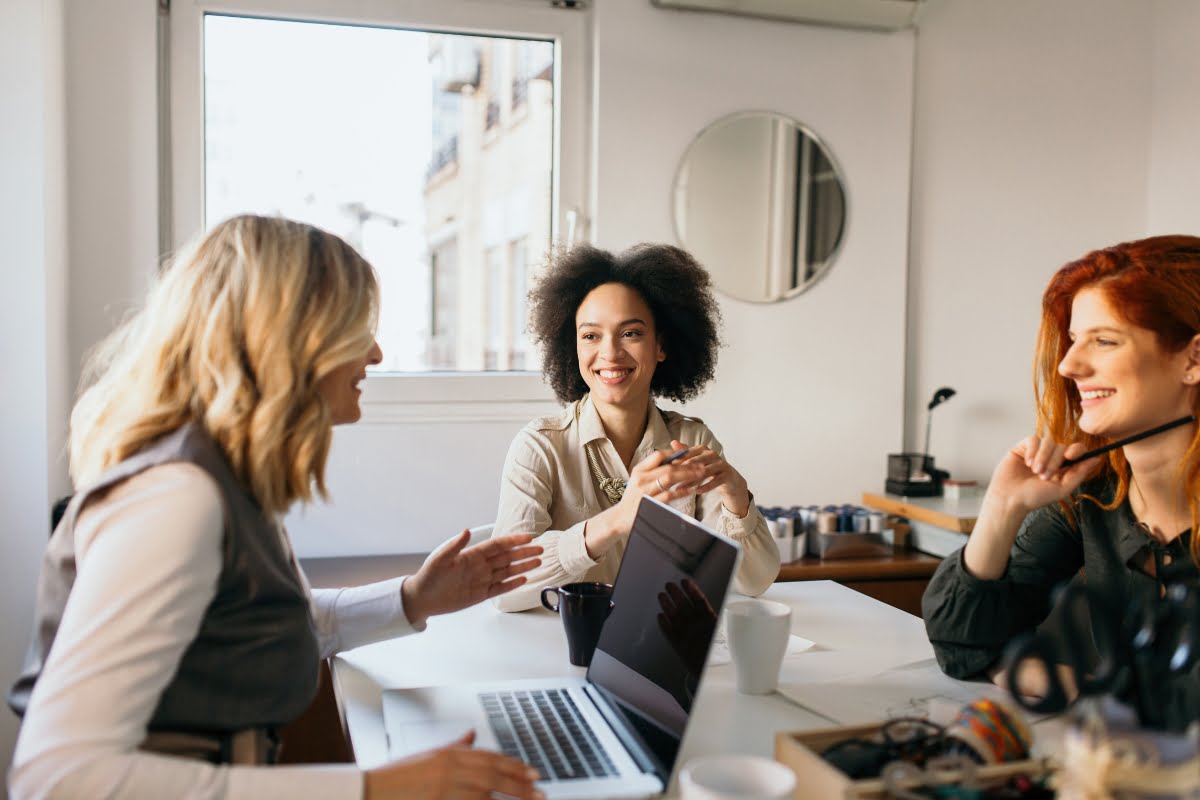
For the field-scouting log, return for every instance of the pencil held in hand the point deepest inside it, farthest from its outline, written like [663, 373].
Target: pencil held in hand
[1137, 437]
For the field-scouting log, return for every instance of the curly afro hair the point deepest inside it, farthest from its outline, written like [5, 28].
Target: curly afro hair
[675, 287]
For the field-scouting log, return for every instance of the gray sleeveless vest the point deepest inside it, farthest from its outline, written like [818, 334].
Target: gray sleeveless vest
[254, 660]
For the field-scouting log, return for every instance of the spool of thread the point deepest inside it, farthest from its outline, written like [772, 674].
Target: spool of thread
[785, 526]
[861, 520]
[875, 522]
[827, 521]
[846, 519]
[809, 515]
[993, 730]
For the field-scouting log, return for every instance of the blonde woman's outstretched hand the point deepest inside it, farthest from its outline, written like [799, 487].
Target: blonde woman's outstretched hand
[456, 576]
[454, 772]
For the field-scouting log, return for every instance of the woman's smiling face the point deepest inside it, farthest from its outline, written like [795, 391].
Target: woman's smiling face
[617, 345]
[340, 387]
[1126, 382]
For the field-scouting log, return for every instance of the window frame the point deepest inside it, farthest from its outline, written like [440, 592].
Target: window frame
[393, 396]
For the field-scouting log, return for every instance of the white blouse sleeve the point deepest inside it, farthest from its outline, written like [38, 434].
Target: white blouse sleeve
[357, 615]
[148, 558]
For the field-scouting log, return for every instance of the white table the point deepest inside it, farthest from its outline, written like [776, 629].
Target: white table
[855, 635]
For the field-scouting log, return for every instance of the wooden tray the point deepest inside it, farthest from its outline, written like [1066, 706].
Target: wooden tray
[817, 779]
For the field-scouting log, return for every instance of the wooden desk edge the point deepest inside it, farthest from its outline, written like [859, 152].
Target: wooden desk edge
[901, 566]
[941, 519]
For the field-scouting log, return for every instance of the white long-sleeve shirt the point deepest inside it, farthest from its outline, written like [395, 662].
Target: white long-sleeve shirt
[148, 558]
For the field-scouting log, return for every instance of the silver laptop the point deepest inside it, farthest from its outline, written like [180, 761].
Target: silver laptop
[615, 732]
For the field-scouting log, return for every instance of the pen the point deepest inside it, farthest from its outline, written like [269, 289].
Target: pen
[678, 454]
[1137, 437]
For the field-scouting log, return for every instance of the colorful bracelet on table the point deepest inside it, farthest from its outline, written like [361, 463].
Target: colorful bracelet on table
[992, 730]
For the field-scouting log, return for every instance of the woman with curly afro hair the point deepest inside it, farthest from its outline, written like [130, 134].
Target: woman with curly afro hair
[616, 331]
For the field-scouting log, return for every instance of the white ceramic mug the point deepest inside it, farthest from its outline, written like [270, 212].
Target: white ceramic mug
[758, 632]
[736, 777]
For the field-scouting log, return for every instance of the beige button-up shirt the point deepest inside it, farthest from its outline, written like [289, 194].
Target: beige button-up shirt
[548, 489]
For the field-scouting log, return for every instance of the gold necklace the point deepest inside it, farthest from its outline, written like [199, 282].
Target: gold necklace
[613, 488]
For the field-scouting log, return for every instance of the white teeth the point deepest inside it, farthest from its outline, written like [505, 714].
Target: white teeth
[613, 373]
[1092, 395]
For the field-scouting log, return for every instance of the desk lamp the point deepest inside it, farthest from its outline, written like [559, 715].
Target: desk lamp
[913, 474]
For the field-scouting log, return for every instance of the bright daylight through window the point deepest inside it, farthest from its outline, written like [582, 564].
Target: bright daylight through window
[431, 153]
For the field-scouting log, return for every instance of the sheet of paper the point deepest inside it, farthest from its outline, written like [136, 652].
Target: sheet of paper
[719, 652]
[914, 690]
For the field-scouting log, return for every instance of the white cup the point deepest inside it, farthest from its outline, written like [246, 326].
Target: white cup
[758, 632]
[736, 777]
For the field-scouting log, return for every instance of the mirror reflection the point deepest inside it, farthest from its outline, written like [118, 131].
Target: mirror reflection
[761, 203]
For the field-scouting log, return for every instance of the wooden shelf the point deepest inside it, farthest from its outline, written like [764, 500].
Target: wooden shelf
[909, 564]
[958, 516]
[898, 579]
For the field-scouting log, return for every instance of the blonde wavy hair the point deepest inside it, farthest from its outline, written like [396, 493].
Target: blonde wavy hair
[235, 335]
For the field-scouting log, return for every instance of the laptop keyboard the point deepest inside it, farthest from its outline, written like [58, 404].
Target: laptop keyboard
[544, 729]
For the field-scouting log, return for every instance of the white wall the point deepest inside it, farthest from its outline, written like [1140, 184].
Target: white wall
[1174, 201]
[112, 151]
[33, 325]
[1031, 148]
[808, 396]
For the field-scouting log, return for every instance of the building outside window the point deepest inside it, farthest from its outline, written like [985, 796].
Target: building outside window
[389, 140]
[521, 353]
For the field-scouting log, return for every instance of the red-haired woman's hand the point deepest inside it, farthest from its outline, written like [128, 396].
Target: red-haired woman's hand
[1031, 475]
[1028, 477]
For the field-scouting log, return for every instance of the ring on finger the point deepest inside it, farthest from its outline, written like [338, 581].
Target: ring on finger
[661, 488]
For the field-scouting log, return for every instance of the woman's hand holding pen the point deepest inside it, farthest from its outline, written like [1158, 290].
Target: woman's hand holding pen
[1029, 477]
[719, 475]
[658, 475]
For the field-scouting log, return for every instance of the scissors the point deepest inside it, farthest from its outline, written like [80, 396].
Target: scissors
[1158, 639]
[1076, 603]
[1165, 643]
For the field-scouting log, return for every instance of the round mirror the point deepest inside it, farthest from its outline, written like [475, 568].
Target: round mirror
[759, 201]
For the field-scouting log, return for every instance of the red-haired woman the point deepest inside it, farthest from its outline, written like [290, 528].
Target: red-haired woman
[1118, 353]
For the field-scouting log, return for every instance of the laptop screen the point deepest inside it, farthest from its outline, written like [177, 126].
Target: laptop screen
[667, 596]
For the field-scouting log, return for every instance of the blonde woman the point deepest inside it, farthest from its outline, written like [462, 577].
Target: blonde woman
[174, 629]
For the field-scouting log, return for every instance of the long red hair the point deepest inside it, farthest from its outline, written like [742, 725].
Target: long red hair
[1152, 283]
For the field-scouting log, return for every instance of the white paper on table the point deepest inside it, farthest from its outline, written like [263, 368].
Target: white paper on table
[719, 652]
[913, 690]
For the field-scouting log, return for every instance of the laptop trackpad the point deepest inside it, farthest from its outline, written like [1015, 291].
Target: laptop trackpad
[407, 738]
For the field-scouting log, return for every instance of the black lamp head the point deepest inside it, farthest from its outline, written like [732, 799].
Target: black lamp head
[940, 396]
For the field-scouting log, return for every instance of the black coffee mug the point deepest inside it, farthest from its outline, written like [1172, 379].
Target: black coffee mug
[583, 608]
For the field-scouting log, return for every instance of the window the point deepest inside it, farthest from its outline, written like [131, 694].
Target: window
[381, 139]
